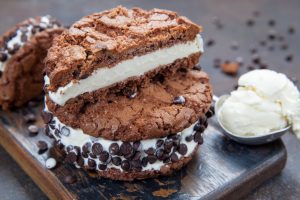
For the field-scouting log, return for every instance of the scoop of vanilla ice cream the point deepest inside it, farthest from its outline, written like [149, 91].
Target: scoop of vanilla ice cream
[246, 113]
[273, 99]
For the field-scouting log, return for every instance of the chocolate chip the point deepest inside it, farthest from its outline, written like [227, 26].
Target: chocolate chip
[33, 130]
[91, 164]
[91, 155]
[65, 131]
[182, 149]
[289, 58]
[210, 42]
[151, 159]
[71, 157]
[70, 179]
[125, 165]
[272, 35]
[168, 145]
[174, 157]
[42, 146]
[137, 146]
[136, 165]
[3, 57]
[176, 140]
[263, 66]
[250, 67]
[14, 49]
[80, 161]
[86, 148]
[256, 59]
[210, 112]
[263, 43]
[47, 117]
[159, 143]
[29, 118]
[77, 149]
[137, 156]
[126, 148]
[284, 46]
[97, 148]
[271, 22]
[253, 50]
[57, 133]
[167, 160]
[199, 127]
[84, 76]
[116, 161]
[69, 148]
[291, 30]
[104, 156]
[198, 138]
[114, 149]
[144, 161]
[159, 154]
[189, 138]
[150, 151]
[179, 100]
[102, 166]
[271, 48]
[250, 22]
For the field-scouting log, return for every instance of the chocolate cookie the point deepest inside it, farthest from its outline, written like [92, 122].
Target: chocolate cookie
[22, 50]
[119, 47]
[167, 105]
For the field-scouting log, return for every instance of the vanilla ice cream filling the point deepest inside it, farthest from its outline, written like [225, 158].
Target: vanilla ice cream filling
[137, 66]
[76, 137]
[17, 39]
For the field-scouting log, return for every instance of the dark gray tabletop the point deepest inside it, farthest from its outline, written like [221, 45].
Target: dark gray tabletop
[14, 184]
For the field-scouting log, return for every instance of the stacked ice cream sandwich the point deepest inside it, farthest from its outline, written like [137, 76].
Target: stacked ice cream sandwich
[123, 95]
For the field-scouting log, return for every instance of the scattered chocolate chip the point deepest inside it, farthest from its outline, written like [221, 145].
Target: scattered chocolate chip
[71, 157]
[3, 57]
[84, 76]
[182, 149]
[29, 118]
[234, 45]
[137, 146]
[33, 130]
[198, 138]
[210, 42]
[291, 30]
[126, 148]
[70, 179]
[179, 100]
[159, 154]
[263, 66]
[253, 50]
[217, 62]
[199, 127]
[125, 165]
[210, 112]
[271, 22]
[272, 34]
[168, 146]
[114, 149]
[250, 68]
[150, 151]
[174, 157]
[104, 156]
[116, 161]
[250, 22]
[144, 161]
[42, 146]
[97, 148]
[151, 159]
[91, 164]
[263, 43]
[47, 117]
[80, 161]
[159, 143]
[256, 59]
[289, 58]
[102, 166]
[65, 131]
[86, 148]
[189, 138]
[69, 148]
[217, 23]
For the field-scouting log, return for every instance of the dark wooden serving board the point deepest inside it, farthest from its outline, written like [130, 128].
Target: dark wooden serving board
[222, 169]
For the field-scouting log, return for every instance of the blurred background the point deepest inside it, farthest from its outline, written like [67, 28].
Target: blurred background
[254, 34]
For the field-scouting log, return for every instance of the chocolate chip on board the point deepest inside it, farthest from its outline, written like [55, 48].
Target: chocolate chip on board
[42, 146]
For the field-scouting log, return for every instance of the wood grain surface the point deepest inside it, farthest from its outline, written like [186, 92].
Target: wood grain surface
[222, 169]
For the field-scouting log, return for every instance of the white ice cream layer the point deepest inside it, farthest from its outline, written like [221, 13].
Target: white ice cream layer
[78, 138]
[265, 101]
[136, 66]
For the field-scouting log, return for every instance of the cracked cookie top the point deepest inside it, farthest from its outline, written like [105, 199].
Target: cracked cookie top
[166, 106]
[106, 38]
